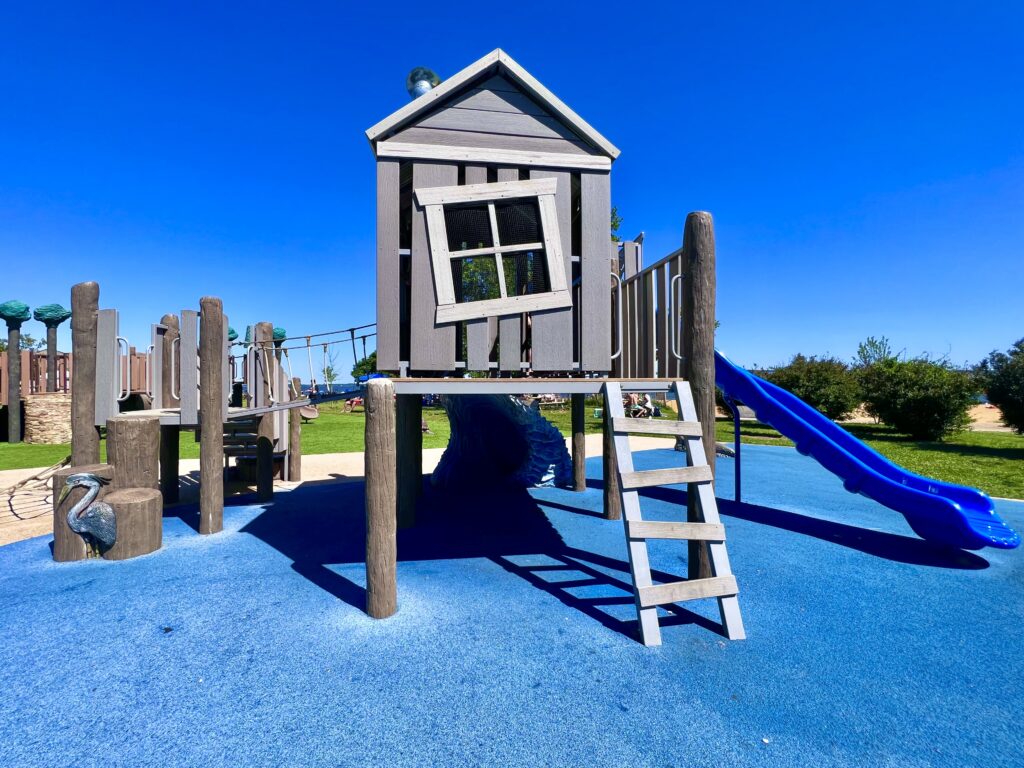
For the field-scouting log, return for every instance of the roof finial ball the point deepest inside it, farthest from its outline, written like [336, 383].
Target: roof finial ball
[421, 80]
[14, 313]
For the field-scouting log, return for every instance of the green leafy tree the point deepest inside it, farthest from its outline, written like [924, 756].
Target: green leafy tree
[923, 398]
[330, 371]
[1001, 375]
[365, 366]
[28, 341]
[616, 223]
[826, 384]
[871, 351]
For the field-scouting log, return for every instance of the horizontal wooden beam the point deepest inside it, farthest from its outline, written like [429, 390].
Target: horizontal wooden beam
[673, 476]
[657, 427]
[499, 190]
[514, 157]
[656, 529]
[510, 305]
[523, 386]
[680, 591]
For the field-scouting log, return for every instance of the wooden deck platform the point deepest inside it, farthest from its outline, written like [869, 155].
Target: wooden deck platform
[523, 386]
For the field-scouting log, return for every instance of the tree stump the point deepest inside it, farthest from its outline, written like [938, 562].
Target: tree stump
[133, 448]
[68, 545]
[139, 513]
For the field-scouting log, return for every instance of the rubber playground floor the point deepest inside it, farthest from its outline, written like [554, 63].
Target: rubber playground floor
[513, 643]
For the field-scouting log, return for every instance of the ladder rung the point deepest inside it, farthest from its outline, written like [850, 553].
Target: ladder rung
[678, 591]
[656, 427]
[649, 529]
[672, 476]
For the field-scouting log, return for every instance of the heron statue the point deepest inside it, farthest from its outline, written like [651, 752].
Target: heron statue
[90, 517]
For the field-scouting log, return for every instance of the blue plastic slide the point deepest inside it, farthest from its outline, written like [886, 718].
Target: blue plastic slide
[941, 512]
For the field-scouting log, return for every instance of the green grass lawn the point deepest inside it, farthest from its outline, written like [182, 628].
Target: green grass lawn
[991, 461]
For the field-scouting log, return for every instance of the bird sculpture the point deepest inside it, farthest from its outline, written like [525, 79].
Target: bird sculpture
[90, 517]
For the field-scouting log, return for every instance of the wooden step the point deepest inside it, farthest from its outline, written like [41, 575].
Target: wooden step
[671, 476]
[650, 529]
[679, 591]
[672, 427]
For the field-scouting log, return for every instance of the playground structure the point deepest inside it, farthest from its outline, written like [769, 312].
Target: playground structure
[496, 278]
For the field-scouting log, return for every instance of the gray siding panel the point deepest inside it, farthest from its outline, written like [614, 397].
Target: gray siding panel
[478, 336]
[388, 270]
[107, 383]
[450, 138]
[551, 331]
[503, 123]
[189, 374]
[595, 202]
[510, 337]
[493, 100]
[432, 346]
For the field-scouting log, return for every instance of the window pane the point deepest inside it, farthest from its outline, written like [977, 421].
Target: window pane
[468, 226]
[475, 278]
[518, 221]
[525, 273]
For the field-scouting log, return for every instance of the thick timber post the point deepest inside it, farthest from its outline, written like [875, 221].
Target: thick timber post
[579, 443]
[699, 356]
[211, 415]
[264, 344]
[85, 439]
[409, 457]
[381, 506]
[169, 433]
[610, 469]
[295, 435]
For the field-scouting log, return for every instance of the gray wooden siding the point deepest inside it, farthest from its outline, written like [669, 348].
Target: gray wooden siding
[107, 383]
[595, 203]
[388, 268]
[551, 332]
[510, 334]
[478, 336]
[450, 138]
[188, 376]
[432, 347]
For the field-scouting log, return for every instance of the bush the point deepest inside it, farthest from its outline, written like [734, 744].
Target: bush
[823, 383]
[1001, 375]
[921, 398]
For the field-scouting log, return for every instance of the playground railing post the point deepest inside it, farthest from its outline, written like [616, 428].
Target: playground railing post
[381, 501]
[85, 439]
[211, 415]
[264, 344]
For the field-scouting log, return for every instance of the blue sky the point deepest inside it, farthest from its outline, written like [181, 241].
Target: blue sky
[864, 163]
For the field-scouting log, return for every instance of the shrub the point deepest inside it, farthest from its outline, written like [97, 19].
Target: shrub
[1001, 375]
[823, 383]
[921, 398]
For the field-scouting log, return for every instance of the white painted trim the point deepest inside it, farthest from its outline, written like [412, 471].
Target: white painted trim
[511, 305]
[474, 193]
[517, 157]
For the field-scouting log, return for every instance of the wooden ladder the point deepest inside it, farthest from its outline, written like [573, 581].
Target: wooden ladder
[722, 585]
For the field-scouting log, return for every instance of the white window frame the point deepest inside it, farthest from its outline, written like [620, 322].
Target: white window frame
[433, 200]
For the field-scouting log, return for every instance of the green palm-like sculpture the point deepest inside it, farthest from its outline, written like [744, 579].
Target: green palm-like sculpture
[232, 334]
[14, 313]
[51, 315]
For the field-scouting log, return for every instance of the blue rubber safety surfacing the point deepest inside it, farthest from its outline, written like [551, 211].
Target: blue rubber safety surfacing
[867, 646]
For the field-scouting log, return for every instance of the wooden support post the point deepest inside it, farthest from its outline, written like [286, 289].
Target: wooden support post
[85, 439]
[211, 415]
[579, 442]
[699, 356]
[264, 344]
[610, 470]
[381, 503]
[139, 513]
[169, 434]
[51, 358]
[133, 448]
[295, 436]
[410, 457]
[13, 393]
[68, 545]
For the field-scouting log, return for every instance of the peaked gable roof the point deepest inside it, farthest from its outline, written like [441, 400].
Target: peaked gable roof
[497, 62]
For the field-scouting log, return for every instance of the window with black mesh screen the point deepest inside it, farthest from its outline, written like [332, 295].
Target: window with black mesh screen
[475, 278]
[526, 273]
[518, 222]
[468, 226]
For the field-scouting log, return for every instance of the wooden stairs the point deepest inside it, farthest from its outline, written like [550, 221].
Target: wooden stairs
[722, 584]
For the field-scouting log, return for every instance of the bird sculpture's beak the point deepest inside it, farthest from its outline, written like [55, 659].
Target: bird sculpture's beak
[63, 494]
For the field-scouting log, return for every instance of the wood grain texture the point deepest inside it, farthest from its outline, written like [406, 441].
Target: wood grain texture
[12, 397]
[409, 437]
[656, 427]
[139, 514]
[679, 591]
[612, 491]
[133, 449]
[85, 439]
[211, 415]
[68, 545]
[579, 442]
[381, 500]
[107, 366]
[595, 200]
[552, 330]
[432, 345]
[388, 266]
[458, 139]
[672, 476]
[499, 95]
[699, 288]
[295, 436]
[188, 368]
[647, 529]
[263, 335]
[503, 123]
[460, 154]
[170, 361]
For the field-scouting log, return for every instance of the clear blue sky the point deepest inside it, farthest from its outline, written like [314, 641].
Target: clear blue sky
[864, 163]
